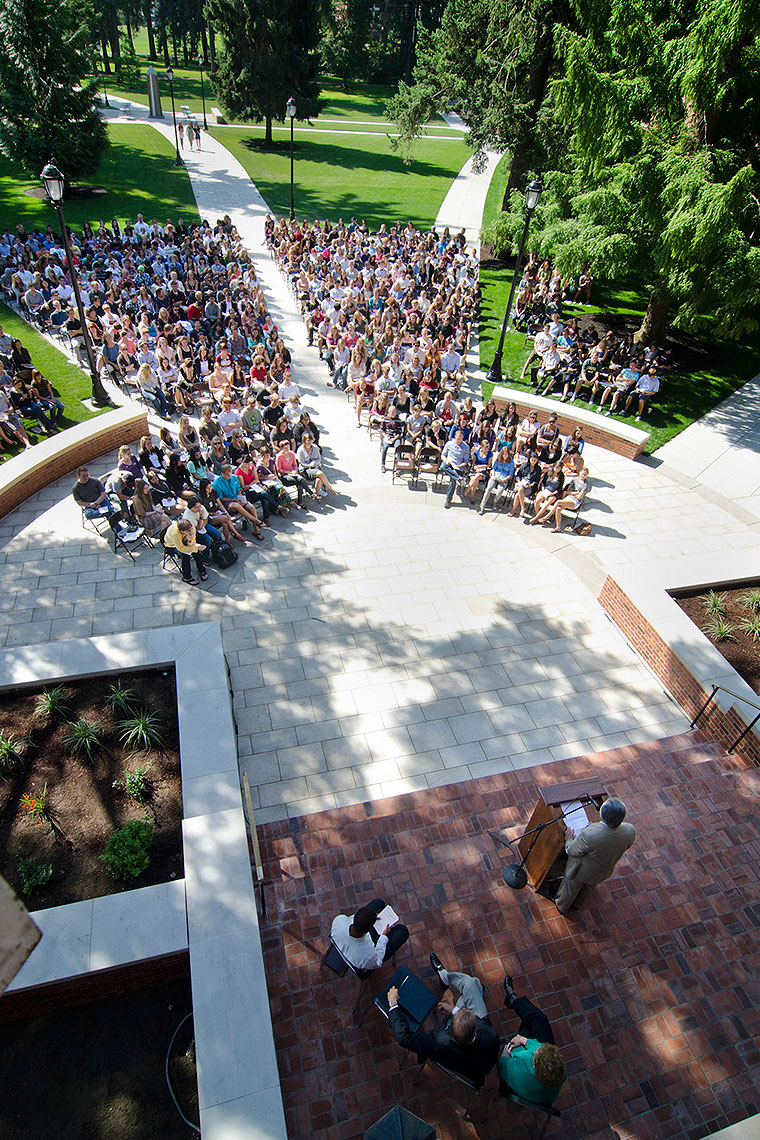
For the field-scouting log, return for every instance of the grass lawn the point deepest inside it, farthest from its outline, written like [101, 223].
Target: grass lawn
[137, 171]
[71, 382]
[713, 369]
[357, 176]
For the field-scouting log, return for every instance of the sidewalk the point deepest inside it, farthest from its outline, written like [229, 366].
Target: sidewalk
[379, 644]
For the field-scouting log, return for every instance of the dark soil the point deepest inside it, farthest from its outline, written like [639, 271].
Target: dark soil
[743, 652]
[98, 1070]
[86, 806]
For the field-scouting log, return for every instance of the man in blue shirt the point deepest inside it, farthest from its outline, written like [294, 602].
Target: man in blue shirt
[454, 460]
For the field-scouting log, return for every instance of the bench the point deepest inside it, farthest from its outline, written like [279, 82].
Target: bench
[217, 117]
[41, 465]
[603, 431]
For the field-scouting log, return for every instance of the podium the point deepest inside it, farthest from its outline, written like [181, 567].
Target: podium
[548, 846]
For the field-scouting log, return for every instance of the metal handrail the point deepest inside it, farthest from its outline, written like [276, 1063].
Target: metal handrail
[738, 697]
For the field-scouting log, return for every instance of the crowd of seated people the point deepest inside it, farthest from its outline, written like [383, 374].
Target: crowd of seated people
[383, 308]
[573, 358]
[25, 395]
[498, 456]
[174, 310]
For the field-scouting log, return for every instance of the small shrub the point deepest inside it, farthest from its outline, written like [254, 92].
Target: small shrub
[33, 875]
[120, 699]
[127, 852]
[715, 604]
[751, 625]
[135, 782]
[84, 738]
[12, 752]
[719, 629]
[142, 731]
[751, 601]
[52, 703]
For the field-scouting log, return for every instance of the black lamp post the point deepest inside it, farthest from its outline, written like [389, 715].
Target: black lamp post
[290, 107]
[532, 195]
[203, 93]
[170, 77]
[53, 181]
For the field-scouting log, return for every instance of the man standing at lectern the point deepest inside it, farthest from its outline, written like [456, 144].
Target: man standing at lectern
[593, 853]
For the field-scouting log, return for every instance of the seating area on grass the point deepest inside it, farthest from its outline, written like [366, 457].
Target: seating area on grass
[575, 358]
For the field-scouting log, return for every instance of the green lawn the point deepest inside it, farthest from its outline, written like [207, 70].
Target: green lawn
[718, 369]
[357, 176]
[137, 171]
[71, 382]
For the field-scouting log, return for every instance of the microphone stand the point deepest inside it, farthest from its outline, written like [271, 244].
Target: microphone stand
[515, 875]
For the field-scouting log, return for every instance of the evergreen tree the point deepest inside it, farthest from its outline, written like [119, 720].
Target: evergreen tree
[344, 41]
[270, 53]
[44, 112]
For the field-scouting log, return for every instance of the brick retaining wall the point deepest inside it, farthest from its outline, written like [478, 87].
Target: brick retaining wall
[41, 465]
[604, 433]
[720, 725]
[35, 1001]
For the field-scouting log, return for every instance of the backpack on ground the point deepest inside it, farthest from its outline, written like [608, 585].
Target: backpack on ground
[223, 554]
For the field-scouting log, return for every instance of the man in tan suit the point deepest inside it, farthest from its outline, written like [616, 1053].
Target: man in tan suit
[593, 854]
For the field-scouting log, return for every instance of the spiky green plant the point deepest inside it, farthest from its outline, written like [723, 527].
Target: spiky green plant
[135, 782]
[720, 629]
[52, 703]
[751, 625]
[12, 752]
[715, 604]
[751, 600]
[120, 699]
[84, 738]
[142, 731]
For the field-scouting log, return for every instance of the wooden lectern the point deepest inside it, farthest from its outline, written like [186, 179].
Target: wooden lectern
[548, 845]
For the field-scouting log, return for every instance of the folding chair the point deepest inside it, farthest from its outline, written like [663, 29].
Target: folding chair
[340, 965]
[404, 460]
[98, 525]
[428, 463]
[129, 540]
[549, 1111]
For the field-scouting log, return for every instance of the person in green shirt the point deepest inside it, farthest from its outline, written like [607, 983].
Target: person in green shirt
[531, 1064]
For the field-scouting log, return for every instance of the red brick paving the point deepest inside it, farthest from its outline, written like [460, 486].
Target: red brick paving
[653, 989]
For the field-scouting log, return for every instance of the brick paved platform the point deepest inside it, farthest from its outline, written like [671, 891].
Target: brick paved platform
[652, 989]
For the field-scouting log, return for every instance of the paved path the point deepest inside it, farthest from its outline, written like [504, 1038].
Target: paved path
[378, 643]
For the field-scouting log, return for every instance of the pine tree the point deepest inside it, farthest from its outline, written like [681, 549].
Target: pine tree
[270, 53]
[44, 112]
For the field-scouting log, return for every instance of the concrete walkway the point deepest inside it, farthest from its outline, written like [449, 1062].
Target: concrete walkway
[377, 643]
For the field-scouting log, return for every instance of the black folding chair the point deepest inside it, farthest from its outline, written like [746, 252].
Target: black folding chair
[340, 965]
[548, 1110]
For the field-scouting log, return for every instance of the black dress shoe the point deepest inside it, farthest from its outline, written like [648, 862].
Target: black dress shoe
[509, 993]
[438, 966]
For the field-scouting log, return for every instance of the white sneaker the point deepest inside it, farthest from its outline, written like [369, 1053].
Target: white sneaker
[130, 535]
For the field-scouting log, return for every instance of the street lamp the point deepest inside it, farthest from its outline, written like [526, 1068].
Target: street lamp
[53, 181]
[532, 195]
[203, 96]
[170, 77]
[290, 107]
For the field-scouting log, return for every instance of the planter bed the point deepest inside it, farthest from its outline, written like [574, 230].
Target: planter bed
[102, 1070]
[86, 806]
[740, 650]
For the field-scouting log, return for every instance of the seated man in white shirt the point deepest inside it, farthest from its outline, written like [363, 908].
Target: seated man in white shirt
[451, 366]
[360, 944]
